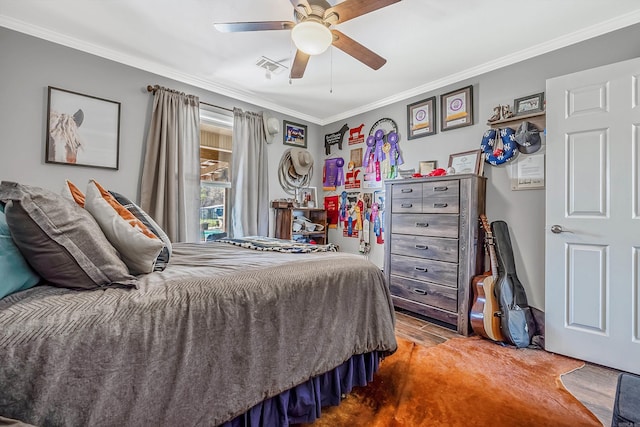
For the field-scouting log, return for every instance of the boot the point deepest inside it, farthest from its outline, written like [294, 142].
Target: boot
[496, 114]
[506, 112]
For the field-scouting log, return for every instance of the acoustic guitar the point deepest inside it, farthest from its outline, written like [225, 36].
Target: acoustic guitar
[485, 312]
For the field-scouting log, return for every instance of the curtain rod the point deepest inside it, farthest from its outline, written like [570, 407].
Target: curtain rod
[153, 89]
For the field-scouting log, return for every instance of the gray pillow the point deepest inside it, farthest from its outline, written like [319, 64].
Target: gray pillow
[165, 254]
[60, 240]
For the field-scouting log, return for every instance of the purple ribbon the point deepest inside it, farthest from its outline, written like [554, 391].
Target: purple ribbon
[340, 177]
[371, 142]
[379, 154]
[394, 152]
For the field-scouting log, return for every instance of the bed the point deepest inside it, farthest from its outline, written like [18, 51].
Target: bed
[212, 339]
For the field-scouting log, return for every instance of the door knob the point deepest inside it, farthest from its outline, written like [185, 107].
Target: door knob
[557, 229]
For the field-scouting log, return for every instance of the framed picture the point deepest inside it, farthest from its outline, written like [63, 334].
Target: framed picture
[457, 108]
[529, 104]
[356, 157]
[294, 134]
[528, 173]
[466, 162]
[421, 118]
[308, 197]
[82, 130]
[427, 166]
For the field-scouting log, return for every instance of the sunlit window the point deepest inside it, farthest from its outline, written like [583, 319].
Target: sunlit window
[215, 174]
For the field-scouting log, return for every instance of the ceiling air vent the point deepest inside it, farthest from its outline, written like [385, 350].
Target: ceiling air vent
[270, 66]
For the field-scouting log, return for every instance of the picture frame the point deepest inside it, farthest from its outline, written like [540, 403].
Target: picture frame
[294, 134]
[528, 173]
[425, 167]
[82, 130]
[421, 118]
[355, 157]
[529, 104]
[466, 162]
[309, 197]
[456, 108]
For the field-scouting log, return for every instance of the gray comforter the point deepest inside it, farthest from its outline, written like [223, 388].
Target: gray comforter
[221, 329]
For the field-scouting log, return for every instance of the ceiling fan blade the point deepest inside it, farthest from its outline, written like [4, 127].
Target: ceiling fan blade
[299, 65]
[358, 51]
[302, 5]
[233, 27]
[350, 9]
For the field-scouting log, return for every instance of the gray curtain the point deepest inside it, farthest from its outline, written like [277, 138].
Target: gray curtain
[249, 179]
[170, 187]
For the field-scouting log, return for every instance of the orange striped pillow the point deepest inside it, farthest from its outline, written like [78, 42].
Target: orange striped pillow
[124, 212]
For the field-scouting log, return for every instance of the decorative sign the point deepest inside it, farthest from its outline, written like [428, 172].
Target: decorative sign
[352, 180]
[356, 136]
[331, 205]
[334, 138]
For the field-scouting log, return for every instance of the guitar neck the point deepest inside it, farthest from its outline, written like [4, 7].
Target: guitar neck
[488, 238]
[492, 257]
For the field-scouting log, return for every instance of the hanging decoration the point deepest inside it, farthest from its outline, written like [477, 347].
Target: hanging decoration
[352, 180]
[334, 138]
[383, 150]
[331, 205]
[498, 146]
[356, 136]
[333, 173]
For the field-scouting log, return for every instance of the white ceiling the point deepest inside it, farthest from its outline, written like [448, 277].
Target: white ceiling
[427, 43]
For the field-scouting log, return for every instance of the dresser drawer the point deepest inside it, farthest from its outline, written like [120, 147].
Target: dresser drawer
[443, 273]
[442, 297]
[407, 191]
[441, 197]
[408, 205]
[425, 225]
[425, 247]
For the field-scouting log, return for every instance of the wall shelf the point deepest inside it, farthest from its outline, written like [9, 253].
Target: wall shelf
[538, 119]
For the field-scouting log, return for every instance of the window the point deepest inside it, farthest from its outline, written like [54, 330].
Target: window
[215, 173]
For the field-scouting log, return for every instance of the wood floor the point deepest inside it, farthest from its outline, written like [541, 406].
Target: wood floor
[593, 385]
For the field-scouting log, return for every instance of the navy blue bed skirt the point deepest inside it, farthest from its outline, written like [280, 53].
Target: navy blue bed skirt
[303, 403]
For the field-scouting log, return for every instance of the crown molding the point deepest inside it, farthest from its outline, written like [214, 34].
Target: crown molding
[251, 98]
[540, 49]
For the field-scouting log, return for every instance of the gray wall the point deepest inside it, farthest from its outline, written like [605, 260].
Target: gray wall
[524, 210]
[29, 65]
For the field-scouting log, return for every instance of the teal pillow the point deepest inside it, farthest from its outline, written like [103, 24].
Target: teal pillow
[15, 273]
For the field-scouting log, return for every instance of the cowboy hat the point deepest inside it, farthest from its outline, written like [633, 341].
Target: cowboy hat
[271, 126]
[528, 138]
[301, 160]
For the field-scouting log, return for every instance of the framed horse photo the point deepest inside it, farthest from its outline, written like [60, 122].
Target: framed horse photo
[82, 130]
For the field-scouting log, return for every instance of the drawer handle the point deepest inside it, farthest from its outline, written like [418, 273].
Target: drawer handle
[440, 205]
[422, 224]
[407, 205]
[422, 247]
[421, 269]
[419, 291]
[407, 190]
[440, 188]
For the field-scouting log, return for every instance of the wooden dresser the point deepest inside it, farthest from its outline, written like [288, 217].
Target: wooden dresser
[433, 245]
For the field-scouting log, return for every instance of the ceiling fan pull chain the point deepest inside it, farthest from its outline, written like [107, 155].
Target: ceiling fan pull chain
[331, 71]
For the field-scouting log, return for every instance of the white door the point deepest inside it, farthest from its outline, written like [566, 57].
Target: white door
[592, 266]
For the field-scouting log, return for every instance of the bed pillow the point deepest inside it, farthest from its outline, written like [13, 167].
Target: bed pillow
[70, 191]
[60, 240]
[137, 245]
[163, 258]
[14, 270]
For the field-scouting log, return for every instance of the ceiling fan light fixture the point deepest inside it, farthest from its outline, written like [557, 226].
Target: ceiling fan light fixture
[311, 37]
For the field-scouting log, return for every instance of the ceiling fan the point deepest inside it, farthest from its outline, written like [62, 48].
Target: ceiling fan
[312, 33]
